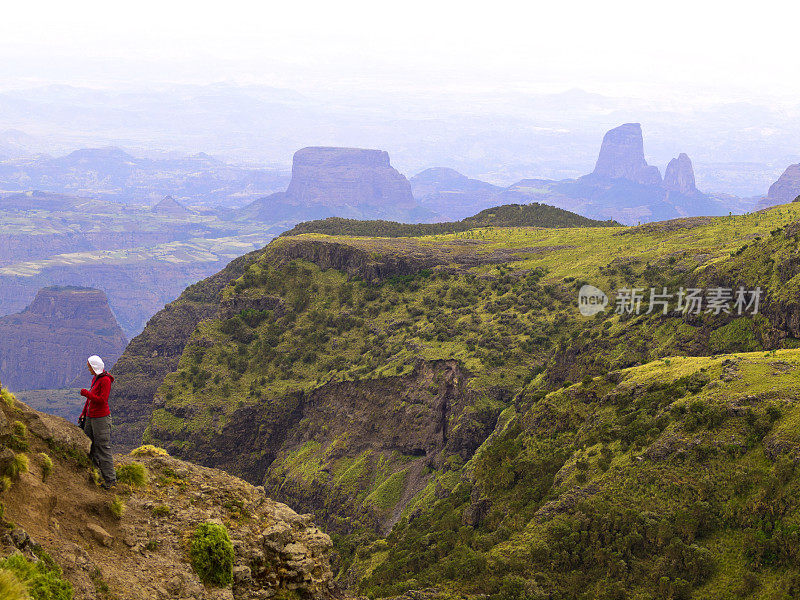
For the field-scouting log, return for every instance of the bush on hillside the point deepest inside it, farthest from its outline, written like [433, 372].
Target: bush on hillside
[211, 554]
[134, 474]
[42, 579]
[46, 464]
[149, 450]
[17, 466]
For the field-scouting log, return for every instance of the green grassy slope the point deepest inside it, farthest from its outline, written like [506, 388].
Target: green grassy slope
[509, 215]
[414, 393]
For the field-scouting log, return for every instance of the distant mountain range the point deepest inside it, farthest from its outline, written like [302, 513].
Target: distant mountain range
[622, 186]
[113, 174]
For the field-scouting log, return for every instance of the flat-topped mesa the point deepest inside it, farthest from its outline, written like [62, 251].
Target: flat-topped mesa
[679, 175]
[787, 188]
[45, 346]
[355, 177]
[69, 303]
[622, 156]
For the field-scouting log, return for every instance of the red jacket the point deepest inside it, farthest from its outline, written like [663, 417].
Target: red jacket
[97, 396]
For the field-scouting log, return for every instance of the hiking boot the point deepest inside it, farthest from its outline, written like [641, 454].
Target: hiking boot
[108, 486]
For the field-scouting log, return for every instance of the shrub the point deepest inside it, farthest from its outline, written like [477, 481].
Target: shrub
[211, 554]
[162, 510]
[17, 466]
[42, 579]
[117, 507]
[5, 483]
[134, 474]
[149, 450]
[46, 464]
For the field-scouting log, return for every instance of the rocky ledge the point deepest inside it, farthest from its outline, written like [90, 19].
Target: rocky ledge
[131, 543]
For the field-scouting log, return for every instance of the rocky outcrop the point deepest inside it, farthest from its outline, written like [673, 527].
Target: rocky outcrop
[622, 156]
[141, 552]
[171, 207]
[679, 176]
[786, 188]
[347, 177]
[46, 345]
[341, 182]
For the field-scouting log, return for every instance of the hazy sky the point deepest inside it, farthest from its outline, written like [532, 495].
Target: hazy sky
[699, 49]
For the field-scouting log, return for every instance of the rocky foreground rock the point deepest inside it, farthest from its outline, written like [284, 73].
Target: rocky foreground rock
[142, 555]
[45, 346]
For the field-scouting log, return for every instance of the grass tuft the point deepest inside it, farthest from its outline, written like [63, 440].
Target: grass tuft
[134, 474]
[18, 465]
[46, 464]
[149, 450]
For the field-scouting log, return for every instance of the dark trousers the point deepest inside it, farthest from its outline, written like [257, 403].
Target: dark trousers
[99, 431]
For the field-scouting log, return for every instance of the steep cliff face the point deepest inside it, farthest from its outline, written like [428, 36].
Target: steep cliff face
[622, 156]
[132, 544]
[46, 345]
[156, 351]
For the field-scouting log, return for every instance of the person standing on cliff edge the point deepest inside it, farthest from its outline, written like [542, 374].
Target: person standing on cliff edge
[96, 420]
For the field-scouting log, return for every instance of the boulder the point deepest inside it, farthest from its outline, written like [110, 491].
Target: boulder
[100, 535]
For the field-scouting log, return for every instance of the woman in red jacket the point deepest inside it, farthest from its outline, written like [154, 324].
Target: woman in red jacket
[96, 420]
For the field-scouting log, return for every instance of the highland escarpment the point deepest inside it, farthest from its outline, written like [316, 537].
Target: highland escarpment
[71, 539]
[372, 443]
[156, 351]
[46, 345]
[366, 394]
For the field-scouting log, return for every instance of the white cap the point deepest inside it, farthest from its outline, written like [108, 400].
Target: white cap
[97, 364]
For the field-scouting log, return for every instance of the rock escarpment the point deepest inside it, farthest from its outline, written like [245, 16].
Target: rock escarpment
[679, 175]
[141, 553]
[46, 345]
[622, 156]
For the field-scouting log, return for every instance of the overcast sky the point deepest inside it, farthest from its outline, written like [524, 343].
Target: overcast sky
[704, 49]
